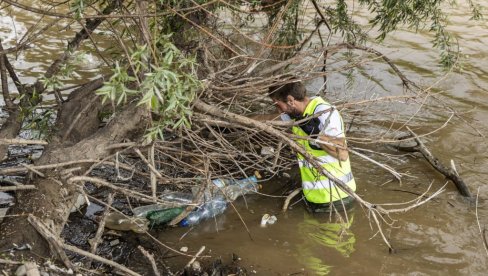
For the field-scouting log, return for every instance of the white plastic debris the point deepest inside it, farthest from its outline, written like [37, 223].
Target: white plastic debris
[264, 220]
[80, 201]
[272, 220]
[267, 219]
[267, 151]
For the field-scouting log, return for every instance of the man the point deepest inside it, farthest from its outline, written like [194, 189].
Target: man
[328, 128]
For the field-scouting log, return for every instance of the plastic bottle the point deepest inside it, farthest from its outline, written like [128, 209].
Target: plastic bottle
[179, 199]
[143, 211]
[241, 187]
[117, 221]
[209, 209]
[163, 216]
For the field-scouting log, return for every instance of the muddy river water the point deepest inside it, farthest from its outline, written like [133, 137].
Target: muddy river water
[441, 237]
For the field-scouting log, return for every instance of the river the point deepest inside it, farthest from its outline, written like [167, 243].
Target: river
[441, 237]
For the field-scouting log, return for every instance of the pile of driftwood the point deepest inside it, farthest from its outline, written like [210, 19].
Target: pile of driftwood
[222, 142]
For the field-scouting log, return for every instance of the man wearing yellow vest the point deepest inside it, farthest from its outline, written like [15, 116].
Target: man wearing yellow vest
[326, 141]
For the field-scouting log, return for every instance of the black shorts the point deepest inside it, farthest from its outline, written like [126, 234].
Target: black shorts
[338, 205]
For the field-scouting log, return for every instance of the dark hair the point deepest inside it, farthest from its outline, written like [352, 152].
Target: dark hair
[281, 92]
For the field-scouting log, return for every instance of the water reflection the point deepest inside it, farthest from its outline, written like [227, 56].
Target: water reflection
[321, 231]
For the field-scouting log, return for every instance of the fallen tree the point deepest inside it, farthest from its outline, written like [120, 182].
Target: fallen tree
[157, 120]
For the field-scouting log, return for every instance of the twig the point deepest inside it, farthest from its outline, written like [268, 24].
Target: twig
[196, 256]
[9, 171]
[101, 227]
[100, 259]
[43, 230]
[449, 173]
[130, 193]
[54, 243]
[153, 176]
[290, 197]
[4, 261]
[17, 188]
[30, 168]
[150, 257]
[151, 167]
[22, 142]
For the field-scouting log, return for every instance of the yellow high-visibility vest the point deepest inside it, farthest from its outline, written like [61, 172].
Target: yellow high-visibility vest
[317, 188]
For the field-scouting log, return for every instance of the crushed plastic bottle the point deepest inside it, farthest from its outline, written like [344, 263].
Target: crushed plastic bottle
[209, 209]
[177, 198]
[143, 211]
[241, 187]
[117, 221]
[229, 187]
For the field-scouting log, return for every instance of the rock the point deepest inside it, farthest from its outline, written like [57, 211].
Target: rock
[29, 269]
[196, 267]
[80, 201]
[114, 242]
[21, 271]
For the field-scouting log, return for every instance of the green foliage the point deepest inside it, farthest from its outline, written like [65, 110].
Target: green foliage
[475, 10]
[77, 7]
[56, 81]
[168, 87]
[289, 34]
[40, 122]
[66, 72]
[341, 22]
[116, 89]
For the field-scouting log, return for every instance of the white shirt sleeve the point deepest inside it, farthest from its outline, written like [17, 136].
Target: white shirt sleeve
[334, 126]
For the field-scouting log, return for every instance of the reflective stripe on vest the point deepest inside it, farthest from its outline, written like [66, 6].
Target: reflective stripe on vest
[318, 188]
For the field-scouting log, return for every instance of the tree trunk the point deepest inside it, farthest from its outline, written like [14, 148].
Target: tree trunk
[9, 130]
[77, 139]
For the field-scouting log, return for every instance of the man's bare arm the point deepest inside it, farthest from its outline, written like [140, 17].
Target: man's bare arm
[338, 149]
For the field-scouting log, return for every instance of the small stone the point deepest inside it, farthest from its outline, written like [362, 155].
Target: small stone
[36, 155]
[21, 271]
[267, 151]
[184, 249]
[196, 267]
[114, 242]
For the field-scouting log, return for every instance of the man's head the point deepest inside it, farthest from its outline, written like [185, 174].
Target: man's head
[289, 98]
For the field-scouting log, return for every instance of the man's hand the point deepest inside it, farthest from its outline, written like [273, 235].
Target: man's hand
[337, 147]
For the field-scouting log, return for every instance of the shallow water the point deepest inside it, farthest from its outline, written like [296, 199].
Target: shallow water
[440, 237]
